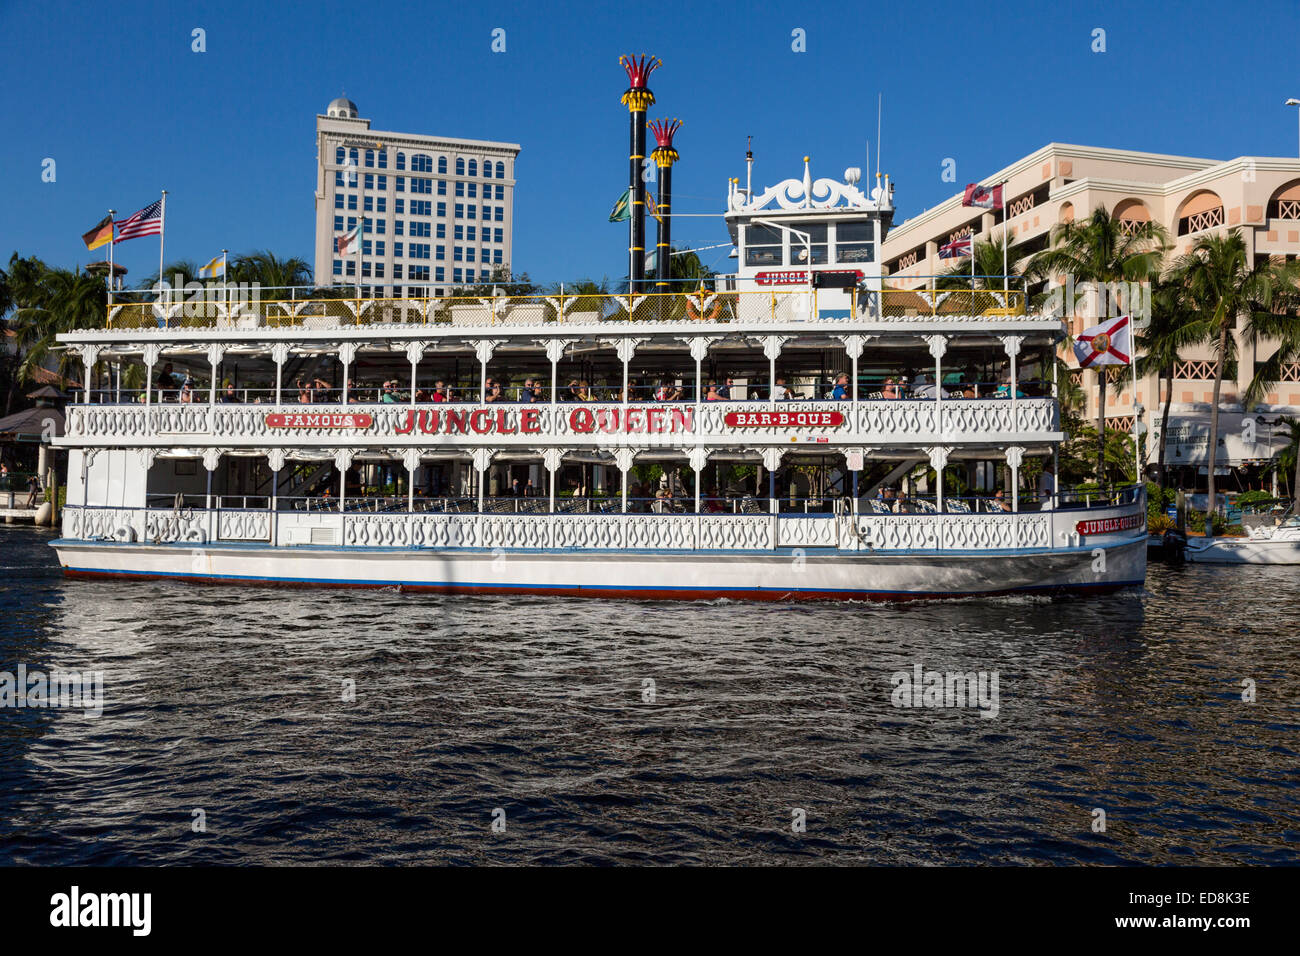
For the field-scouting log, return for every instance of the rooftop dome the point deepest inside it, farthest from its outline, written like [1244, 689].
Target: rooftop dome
[342, 108]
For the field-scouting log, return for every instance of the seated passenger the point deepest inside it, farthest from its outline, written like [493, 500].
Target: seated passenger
[841, 390]
[999, 504]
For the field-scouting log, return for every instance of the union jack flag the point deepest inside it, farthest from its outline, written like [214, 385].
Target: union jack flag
[956, 249]
[147, 222]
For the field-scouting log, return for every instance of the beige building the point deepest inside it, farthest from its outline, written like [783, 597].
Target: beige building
[1188, 196]
[435, 212]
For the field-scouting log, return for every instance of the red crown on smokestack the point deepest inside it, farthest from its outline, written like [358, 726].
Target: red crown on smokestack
[664, 154]
[638, 97]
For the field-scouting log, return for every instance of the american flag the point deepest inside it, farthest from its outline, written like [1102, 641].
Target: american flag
[147, 222]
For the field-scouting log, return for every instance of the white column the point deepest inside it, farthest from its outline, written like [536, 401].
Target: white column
[482, 460]
[625, 350]
[1015, 455]
[411, 459]
[150, 355]
[89, 355]
[414, 352]
[699, 458]
[280, 355]
[772, 348]
[551, 458]
[1011, 345]
[555, 351]
[938, 346]
[483, 350]
[939, 461]
[275, 461]
[347, 352]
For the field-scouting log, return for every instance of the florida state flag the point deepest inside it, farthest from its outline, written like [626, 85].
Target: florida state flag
[1110, 343]
[986, 197]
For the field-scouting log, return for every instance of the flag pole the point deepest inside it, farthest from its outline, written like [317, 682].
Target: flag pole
[111, 213]
[225, 282]
[162, 238]
[1005, 280]
[1137, 439]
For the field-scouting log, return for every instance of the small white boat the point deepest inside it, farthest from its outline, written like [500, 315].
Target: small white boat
[1279, 544]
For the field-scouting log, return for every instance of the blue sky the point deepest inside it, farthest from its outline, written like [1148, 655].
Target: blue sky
[113, 93]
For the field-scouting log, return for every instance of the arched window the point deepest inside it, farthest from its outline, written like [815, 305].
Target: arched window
[339, 155]
[501, 170]
[1200, 211]
[1066, 213]
[473, 167]
[1132, 214]
[401, 160]
[460, 166]
[1285, 203]
[442, 164]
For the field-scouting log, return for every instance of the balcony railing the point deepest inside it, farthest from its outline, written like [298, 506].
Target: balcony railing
[215, 310]
[600, 424]
[1111, 516]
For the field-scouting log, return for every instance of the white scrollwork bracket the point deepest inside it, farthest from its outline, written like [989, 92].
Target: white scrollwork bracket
[414, 352]
[342, 458]
[551, 457]
[555, 348]
[772, 345]
[699, 345]
[411, 459]
[150, 353]
[275, 459]
[772, 458]
[626, 349]
[212, 458]
[624, 457]
[1011, 344]
[482, 458]
[484, 348]
[938, 345]
[698, 457]
[347, 352]
[147, 457]
[938, 456]
[1015, 455]
[279, 353]
[854, 344]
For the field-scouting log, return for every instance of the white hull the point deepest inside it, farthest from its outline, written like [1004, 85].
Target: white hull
[796, 574]
[1242, 551]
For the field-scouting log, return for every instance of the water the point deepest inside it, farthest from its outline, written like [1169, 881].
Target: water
[228, 700]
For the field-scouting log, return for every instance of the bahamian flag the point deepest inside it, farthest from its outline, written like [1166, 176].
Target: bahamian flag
[101, 234]
[213, 269]
[622, 210]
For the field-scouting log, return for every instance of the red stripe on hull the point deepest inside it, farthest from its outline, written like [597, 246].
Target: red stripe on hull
[634, 594]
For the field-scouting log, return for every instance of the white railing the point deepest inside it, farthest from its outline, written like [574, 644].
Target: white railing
[993, 420]
[1027, 530]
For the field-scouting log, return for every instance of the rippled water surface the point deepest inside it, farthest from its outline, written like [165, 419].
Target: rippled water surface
[229, 700]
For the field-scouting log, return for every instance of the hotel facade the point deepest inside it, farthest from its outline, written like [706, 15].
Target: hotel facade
[434, 212]
[1190, 197]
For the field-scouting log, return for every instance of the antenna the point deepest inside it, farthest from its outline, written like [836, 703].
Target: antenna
[749, 167]
[880, 106]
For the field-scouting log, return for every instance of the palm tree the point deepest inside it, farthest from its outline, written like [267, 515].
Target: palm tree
[185, 269]
[267, 270]
[1289, 458]
[1170, 330]
[988, 262]
[1222, 287]
[61, 300]
[1101, 249]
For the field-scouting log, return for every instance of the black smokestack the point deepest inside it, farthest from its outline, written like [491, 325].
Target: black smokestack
[637, 99]
[664, 156]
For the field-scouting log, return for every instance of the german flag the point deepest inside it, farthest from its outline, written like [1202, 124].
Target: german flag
[101, 234]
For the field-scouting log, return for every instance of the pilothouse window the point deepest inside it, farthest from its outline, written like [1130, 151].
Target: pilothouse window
[854, 242]
[799, 248]
[762, 246]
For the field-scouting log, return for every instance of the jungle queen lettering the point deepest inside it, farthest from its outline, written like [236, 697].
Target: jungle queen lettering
[640, 420]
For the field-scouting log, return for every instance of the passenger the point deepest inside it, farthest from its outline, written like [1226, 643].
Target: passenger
[712, 503]
[386, 396]
[571, 393]
[841, 390]
[187, 393]
[724, 390]
[999, 504]
[230, 398]
[439, 392]
[712, 394]
[779, 391]
[902, 506]
[584, 392]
